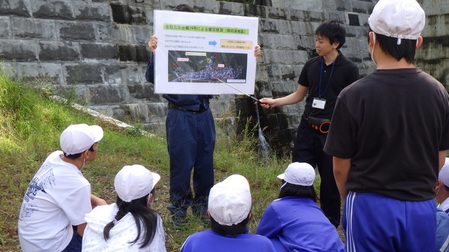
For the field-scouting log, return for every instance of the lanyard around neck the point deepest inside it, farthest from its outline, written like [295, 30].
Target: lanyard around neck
[321, 78]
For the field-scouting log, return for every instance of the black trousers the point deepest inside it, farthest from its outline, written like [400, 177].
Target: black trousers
[308, 148]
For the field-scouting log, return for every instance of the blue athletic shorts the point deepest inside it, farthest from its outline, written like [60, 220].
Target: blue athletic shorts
[373, 222]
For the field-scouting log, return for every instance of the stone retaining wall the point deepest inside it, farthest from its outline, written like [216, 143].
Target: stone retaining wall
[94, 51]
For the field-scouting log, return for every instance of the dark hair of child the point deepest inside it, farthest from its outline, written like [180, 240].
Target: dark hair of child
[141, 213]
[405, 50]
[75, 156]
[297, 191]
[232, 231]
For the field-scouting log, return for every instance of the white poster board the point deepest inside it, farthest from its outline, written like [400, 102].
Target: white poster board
[201, 53]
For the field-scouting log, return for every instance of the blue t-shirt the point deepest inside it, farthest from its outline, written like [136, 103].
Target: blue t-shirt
[300, 225]
[208, 240]
[442, 231]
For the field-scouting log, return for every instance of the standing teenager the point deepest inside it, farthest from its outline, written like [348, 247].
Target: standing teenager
[388, 139]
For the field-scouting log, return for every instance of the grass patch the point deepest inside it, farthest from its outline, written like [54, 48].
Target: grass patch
[30, 125]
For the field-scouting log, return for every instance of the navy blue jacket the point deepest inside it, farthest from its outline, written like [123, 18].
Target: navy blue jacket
[189, 102]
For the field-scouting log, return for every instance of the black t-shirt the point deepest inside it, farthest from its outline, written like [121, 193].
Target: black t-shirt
[391, 124]
[341, 73]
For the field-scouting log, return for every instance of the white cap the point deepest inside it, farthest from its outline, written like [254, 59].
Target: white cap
[402, 19]
[78, 138]
[443, 176]
[230, 200]
[297, 173]
[134, 181]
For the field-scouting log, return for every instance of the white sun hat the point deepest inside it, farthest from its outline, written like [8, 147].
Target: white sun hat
[298, 173]
[230, 200]
[134, 181]
[402, 19]
[78, 138]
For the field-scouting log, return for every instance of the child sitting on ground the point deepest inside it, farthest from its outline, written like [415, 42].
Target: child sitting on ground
[129, 224]
[294, 222]
[229, 208]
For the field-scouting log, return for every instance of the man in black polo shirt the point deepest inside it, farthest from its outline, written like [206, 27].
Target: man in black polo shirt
[322, 78]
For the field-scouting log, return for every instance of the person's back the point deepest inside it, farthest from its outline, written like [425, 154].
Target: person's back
[121, 236]
[44, 220]
[294, 222]
[229, 207]
[209, 240]
[52, 212]
[389, 136]
[397, 132]
[299, 224]
[129, 224]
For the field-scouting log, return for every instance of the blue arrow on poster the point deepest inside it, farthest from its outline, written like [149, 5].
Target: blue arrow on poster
[202, 53]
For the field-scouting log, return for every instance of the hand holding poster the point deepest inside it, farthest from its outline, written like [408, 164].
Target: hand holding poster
[204, 53]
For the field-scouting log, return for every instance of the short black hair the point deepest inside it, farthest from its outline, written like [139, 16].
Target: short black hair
[288, 189]
[232, 231]
[77, 155]
[405, 50]
[183, 7]
[332, 30]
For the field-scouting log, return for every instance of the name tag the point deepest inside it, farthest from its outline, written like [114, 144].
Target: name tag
[318, 103]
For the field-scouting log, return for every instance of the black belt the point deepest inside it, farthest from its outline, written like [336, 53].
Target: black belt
[174, 106]
[319, 124]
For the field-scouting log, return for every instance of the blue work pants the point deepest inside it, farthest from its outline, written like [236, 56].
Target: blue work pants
[308, 148]
[190, 143]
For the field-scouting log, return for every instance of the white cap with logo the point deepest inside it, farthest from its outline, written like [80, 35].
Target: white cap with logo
[230, 200]
[401, 19]
[134, 181]
[78, 138]
[298, 173]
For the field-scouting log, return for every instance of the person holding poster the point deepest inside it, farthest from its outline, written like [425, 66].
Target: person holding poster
[321, 79]
[190, 132]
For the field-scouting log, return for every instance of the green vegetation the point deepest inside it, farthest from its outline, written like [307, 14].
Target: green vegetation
[30, 125]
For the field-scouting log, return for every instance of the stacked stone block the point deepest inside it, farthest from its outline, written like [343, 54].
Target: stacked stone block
[95, 51]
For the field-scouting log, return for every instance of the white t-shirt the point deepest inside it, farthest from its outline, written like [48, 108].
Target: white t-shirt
[57, 197]
[123, 232]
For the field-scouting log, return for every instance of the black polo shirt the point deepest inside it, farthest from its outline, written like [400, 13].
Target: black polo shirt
[334, 78]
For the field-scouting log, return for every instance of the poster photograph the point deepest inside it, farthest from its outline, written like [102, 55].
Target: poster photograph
[201, 53]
